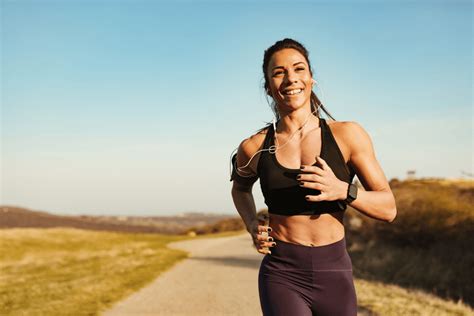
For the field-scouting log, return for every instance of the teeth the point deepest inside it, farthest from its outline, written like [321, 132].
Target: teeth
[291, 92]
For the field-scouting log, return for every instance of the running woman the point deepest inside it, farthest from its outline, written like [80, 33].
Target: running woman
[306, 165]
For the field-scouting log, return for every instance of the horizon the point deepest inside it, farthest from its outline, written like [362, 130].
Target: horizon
[205, 213]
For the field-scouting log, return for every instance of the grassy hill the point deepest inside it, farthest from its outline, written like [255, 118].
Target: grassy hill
[427, 247]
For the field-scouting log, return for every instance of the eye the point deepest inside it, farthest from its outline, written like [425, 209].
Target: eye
[277, 73]
[300, 68]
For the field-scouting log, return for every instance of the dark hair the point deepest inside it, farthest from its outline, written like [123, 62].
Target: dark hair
[279, 45]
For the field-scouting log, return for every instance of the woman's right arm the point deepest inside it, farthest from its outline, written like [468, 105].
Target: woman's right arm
[243, 182]
[245, 204]
[243, 197]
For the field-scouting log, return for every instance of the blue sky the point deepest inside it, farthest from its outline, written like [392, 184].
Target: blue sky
[134, 107]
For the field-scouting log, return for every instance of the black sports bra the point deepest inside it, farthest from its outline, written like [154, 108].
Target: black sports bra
[282, 192]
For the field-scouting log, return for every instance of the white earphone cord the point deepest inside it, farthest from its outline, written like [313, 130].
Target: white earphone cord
[272, 149]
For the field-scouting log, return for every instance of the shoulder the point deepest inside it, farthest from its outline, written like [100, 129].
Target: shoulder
[253, 142]
[249, 147]
[353, 135]
[347, 127]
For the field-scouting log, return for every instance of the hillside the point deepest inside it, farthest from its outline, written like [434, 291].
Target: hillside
[18, 217]
[428, 246]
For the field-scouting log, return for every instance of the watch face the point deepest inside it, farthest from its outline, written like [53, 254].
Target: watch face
[353, 191]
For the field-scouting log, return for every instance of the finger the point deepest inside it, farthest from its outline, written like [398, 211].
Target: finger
[312, 169]
[264, 238]
[259, 244]
[264, 228]
[310, 177]
[312, 185]
[316, 198]
[264, 251]
[267, 244]
[264, 241]
[322, 162]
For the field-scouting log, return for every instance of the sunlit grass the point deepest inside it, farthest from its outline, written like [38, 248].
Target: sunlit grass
[428, 246]
[77, 272]
[387, 299]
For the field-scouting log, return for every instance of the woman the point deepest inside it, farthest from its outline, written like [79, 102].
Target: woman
[308, 270]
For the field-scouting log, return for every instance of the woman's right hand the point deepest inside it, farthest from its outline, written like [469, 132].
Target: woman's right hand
[261, 240]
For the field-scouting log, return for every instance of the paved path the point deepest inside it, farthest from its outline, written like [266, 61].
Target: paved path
[219, 278]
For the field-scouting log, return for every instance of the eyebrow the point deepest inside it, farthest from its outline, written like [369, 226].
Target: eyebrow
[300, 62]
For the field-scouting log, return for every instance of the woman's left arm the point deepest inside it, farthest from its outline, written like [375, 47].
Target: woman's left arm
[377, 201]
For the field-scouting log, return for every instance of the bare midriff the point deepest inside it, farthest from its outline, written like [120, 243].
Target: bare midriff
[308, 230]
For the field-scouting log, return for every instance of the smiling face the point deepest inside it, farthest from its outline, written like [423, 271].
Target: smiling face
[289, 79]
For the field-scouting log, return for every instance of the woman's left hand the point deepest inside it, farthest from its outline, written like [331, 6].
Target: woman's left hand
[322, 179]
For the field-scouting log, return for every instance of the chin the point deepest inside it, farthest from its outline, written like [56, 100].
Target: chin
[295, 105]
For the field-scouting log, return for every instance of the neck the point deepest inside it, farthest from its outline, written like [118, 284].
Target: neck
[290, 123]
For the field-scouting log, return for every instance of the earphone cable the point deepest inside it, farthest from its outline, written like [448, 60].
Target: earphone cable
[272, 149]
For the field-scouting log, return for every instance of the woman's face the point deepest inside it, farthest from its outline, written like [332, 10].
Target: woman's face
[289, 79]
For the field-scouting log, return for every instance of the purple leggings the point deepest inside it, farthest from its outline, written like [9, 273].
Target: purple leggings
[305, 280]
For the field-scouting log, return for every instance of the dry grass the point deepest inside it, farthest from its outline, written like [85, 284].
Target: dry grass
[427, 249]
[77, 272]
[428, 246]
[388, 299]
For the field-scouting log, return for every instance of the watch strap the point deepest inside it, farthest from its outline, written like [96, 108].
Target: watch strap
[351, 193]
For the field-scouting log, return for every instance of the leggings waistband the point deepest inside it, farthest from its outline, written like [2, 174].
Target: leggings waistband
[334, 244]
[284, 250]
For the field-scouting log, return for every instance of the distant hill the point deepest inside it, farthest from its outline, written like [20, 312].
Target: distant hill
[13, 216]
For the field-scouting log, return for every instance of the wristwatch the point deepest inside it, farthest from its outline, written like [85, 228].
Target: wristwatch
[351, 193]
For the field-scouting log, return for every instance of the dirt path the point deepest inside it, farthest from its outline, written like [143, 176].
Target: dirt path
[219, 278]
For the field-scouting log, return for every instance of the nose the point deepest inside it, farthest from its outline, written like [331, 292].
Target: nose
[291, 76]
